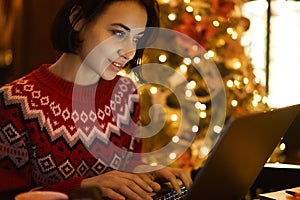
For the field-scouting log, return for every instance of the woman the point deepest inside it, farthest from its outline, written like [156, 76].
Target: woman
[57, 124]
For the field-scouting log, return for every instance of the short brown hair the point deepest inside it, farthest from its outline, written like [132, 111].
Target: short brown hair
[64, 38]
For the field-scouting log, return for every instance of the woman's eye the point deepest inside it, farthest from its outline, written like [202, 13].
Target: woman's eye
[123, 35]
[119, 34]
[136, 39]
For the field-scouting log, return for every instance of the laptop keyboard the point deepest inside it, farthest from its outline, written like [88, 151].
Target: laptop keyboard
[171, 194]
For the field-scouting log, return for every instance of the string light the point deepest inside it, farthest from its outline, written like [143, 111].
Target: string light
[162, 58]
[265, 100]
[203, 106]
[206, 56]
[204, 151]
[198, 18]
[195, 129]
[229, 83]
[211, 53]
[175, 139]
[153, 90]
[217, 129]
[172, 156]
[202, 115]
[245, 80]
[188, 93]
[197, 105]
[187, 61]
[174, 117]
[254, 103]
[229, 30]
[183, 68]
[172, 17]
[234, 35]
[165, 1]
[200, 106]
[237, 83]
[189, 9]
[257, 97]
[282, 146]
[191, 85]
[237, 64]
[234, 103]
[216, 23]
[197, 60]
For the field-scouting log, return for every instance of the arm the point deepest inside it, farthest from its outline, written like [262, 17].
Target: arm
[121, 185]
[15, 154]
[14, 157]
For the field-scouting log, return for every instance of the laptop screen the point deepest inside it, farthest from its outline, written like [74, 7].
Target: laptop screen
[240, 153]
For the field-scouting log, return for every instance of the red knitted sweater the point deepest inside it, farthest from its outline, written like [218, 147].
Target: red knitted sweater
[54, 133]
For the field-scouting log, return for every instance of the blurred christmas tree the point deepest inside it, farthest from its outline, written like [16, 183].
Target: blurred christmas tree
[218, 26]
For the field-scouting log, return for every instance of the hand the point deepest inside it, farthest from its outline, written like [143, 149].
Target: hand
[172, 175]
[118, 185]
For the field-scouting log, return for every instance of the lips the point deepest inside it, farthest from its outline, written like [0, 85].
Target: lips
[116, 66]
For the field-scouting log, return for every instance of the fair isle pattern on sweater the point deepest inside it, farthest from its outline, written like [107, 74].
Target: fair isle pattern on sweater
[59, 131]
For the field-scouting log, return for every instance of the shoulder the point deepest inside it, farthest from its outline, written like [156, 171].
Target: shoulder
[24, 83]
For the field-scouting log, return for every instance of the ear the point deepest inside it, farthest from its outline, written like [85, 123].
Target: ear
[74, 14]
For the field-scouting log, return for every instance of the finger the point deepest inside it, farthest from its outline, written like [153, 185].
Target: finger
[129, 185]
[134, 191]
[149, 179]
[175, 184]
[142, 180]
[185, 178]
[111, 194]
[177, 177]
[155, 186]
[170, 175]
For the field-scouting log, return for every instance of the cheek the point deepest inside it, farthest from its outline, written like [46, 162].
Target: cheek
[99, 56]
[107, 49]
[100, 44]
[90, 42]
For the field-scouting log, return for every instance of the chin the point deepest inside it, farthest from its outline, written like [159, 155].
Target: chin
[109, 77]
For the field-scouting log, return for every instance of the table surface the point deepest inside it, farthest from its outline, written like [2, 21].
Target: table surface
[280, 195]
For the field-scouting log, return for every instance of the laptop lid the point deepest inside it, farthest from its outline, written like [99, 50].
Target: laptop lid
[244, 146]
[291, 139]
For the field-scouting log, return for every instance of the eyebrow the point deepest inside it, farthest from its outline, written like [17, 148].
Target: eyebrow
[126, 27]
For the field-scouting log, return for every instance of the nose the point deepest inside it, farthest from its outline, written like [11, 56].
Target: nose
[127, 49]
[126, 54]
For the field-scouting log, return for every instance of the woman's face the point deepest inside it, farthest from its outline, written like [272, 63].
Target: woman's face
[110, 41]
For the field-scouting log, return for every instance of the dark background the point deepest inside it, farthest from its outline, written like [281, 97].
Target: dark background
[31, 43]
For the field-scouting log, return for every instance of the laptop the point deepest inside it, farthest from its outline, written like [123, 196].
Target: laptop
[243, 148]
[291, 139]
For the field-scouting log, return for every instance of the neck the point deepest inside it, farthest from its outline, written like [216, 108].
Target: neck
[69, 67]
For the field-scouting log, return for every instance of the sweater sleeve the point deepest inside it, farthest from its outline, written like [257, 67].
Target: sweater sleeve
[15, 167]
[67, 187]
[14, 157]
